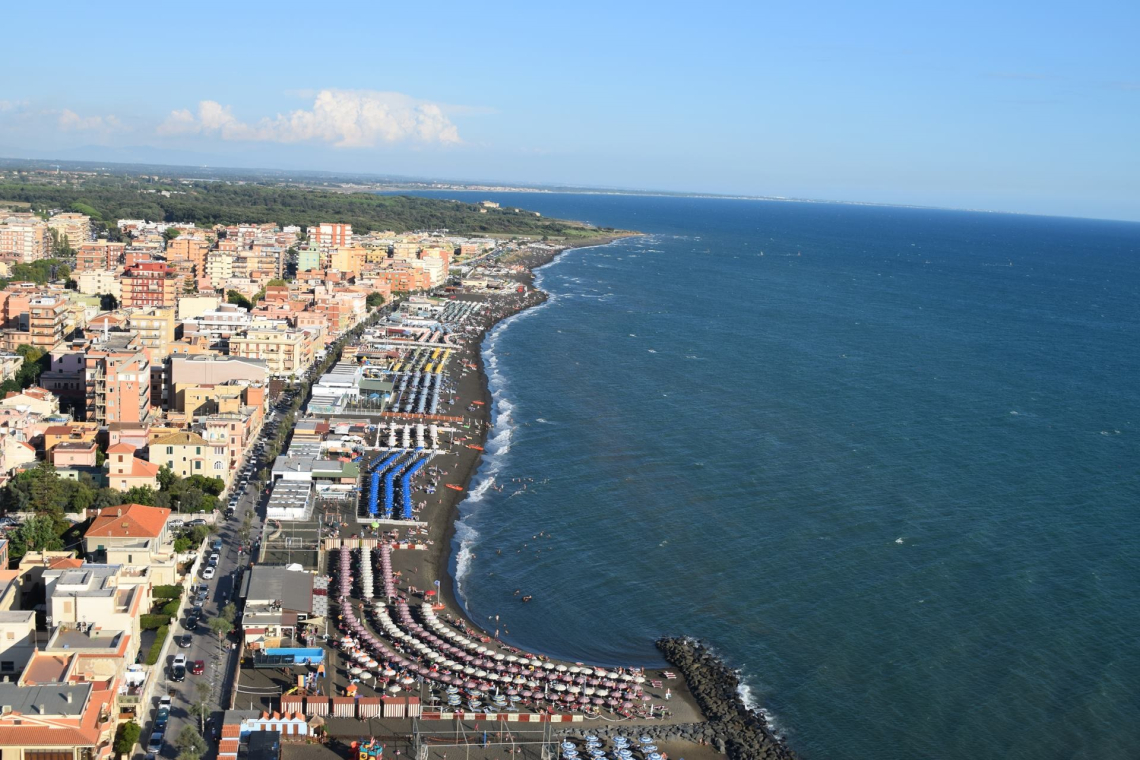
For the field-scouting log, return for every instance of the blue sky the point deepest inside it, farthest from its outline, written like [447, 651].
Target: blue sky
[1013, 106]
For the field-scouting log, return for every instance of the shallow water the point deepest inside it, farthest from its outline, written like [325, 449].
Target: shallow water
[884, 460]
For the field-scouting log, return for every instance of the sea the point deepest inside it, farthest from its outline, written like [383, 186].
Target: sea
[885, 461]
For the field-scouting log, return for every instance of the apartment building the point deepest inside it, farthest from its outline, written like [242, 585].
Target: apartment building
[308, 259]
[286, 353]
[189, 249]
[148, 284]
[347, 260]
[24, 238]
[118, 380]
[71, 227]
[189, 454]
[154, 330]
[133, 537]
[220, 266]
[97, 282]
[99, 254]
[46, 320]
[328, 234]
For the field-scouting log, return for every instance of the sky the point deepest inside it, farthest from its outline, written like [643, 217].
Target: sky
[1013, 106]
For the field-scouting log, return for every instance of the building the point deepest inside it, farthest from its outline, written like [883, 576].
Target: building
[97, 282]
[99, 254]
[286, 353]
[277, 600]
[24, 238]
[347, 260]
[17, 640]
[72, 228]
[36, 400]
[149, 284]
[117, 378]
[56, 721]
[309, 259]
[98, 597]
[194, 306]
[190, 454]
[135, 539]
[46, 319]
[154, 329]
[126, 471]
[332, 235]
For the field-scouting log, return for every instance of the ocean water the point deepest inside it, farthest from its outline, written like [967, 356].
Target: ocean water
[885, 460]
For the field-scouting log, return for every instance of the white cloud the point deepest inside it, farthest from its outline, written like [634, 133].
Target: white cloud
[70, 120]
[343, 118]
[12, 105]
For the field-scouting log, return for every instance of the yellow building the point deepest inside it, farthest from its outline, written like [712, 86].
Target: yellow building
[189, 454]
[347, 260]
[285, 352]
[155, 330]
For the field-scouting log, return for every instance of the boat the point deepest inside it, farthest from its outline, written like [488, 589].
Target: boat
[454, 487]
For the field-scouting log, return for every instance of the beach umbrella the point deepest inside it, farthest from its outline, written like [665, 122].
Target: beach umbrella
[559, 668]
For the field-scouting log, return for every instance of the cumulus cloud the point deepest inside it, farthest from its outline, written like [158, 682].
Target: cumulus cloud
[342, 118]
[71, 121]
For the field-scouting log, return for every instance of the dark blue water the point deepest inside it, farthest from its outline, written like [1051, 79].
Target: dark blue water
[885, 460]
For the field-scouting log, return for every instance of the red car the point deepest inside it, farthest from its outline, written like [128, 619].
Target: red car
[198, 667]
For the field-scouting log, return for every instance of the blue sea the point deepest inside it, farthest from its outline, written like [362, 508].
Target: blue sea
[885, 460]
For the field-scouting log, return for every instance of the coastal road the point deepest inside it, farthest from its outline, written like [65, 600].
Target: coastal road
[222, 589]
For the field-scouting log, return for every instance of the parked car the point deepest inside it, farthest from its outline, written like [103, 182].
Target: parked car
[214, 558]
[208, 573]
[155, 743]
[198, 521]
[192, 619]
[161, 720]
[198, 667]
[217, 545]
[184, 641]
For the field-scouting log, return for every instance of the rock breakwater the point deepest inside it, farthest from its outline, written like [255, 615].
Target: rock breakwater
[732, 727]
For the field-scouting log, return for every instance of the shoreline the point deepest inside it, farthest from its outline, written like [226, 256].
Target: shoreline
[710, 717]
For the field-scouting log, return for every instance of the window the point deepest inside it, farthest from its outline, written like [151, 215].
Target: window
[197, 464]
[217, 465]
[170, 450]
[7, 666]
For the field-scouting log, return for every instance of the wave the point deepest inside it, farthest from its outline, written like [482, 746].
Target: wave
[496, 447]
[746, 698]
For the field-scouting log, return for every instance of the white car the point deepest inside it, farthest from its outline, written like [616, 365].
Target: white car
[180, 660]
[208, 573]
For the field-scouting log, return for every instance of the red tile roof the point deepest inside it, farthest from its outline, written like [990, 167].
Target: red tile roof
[129, 521]
[121, 448]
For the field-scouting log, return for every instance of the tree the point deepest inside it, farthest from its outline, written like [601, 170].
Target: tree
[108, 302]
[275, 282]
[126, 737]
[200, 706]
[221, 626]
[374, 300]
[36, 533]
[170, 233]
[229, 613]
[190, 744]
[166, 478]
[236, 298]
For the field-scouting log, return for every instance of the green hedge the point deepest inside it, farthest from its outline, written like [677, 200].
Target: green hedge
[156, 648]
[153, 622]
[170, 609]
[167, 592]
